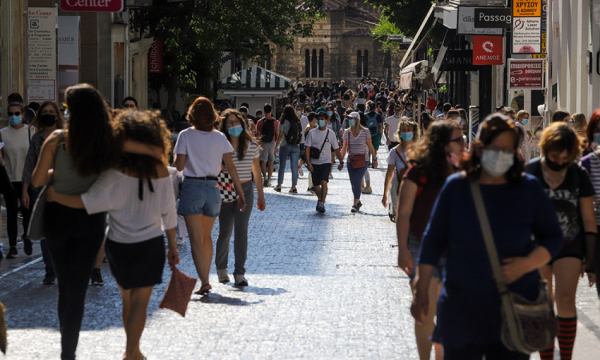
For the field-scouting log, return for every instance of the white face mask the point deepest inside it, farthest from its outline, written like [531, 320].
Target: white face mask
[496, 162]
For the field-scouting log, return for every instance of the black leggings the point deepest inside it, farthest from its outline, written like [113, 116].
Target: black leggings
[12, 192]
[74, 239]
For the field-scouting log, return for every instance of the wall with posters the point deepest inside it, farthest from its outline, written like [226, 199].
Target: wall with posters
[42, 66]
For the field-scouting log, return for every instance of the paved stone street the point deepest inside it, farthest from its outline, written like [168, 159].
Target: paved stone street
[322, 286]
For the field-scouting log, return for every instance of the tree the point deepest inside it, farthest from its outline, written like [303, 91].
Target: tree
[195, 37]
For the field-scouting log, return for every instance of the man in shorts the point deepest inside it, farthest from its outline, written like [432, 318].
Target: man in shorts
[323, 140]
[266, 132]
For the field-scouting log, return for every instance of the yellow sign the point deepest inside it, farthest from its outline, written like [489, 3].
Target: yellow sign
[527, 8]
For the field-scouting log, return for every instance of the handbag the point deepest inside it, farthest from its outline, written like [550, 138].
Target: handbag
[357, 161]
[314, 153]
[226, 187]
[178, 293]
[527, 326]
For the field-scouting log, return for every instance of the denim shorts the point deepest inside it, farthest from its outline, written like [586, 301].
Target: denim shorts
[199, 197]
[413, 246]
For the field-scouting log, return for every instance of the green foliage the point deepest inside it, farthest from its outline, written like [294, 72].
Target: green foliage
[384, 28]
[443, 89]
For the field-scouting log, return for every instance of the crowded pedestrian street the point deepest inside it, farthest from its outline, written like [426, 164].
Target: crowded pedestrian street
[322, 286]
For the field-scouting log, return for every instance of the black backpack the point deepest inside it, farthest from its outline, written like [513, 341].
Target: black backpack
[268, 130]
[294, 135]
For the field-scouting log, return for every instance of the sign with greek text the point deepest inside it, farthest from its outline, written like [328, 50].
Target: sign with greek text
[526, 74]
[525, 8]
[488, 50]
[92, 5]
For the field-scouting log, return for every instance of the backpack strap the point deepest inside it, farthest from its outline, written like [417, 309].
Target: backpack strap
[533, 165]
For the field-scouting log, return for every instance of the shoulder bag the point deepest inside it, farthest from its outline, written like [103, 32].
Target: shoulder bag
[314, 153]
[527, 326]
[226, 187]
[357, 161]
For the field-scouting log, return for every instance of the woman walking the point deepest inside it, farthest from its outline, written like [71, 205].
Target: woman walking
[572, 194]
[358, 145]
[468, 316]
[398, 164]
[138, 196]
[436, 157]
[199, 152]
[46, 121]
[288, 140]
[245, 156]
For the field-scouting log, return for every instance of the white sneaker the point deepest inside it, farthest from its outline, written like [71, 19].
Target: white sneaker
[300, 171]
[223, 277]
[367, 190]
[330, 176]
[240, 280]
[180, 241]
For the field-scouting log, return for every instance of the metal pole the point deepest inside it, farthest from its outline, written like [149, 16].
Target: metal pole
[127, 67]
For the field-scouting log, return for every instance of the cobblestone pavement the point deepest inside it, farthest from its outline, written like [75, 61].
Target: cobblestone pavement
[321, 286]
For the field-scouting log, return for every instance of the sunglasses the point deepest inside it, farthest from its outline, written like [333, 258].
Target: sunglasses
[459, 140]
[15, 113]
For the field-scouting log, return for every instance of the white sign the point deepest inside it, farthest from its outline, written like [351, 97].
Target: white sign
[466, 23]
[527, 33]
[68, 54]
[41, 52]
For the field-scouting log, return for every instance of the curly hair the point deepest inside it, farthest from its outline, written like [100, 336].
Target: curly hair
[145, 127]
[89, 137]
[244, 138]
[429, 153]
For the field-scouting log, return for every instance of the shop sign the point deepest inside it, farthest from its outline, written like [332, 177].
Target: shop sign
[493, 18]
[466, 23]
[155, 57]
[92, 5]
[459, 60]
[526, 74]
[527, 35]
[41, 51]
[527, 8]
[488, 50]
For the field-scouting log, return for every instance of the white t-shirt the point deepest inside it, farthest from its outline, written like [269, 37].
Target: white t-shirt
[394, 159]
[316, 138]
[203, 150]
[393, 123]
[132, 220]
[304, 122]
[16, 146]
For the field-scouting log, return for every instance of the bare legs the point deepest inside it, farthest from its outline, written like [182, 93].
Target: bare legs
[135, 306]
[199, 229]
[321, 191]
[424, 330]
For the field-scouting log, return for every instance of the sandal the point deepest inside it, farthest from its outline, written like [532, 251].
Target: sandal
[204, 290]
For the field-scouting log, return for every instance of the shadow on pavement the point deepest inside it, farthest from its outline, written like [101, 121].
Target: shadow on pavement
[214, 298]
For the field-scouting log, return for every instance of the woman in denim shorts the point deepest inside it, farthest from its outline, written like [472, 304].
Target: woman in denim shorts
[436, 155]
[199, 153]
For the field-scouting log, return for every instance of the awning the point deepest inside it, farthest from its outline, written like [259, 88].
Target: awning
[255, 78]
[414, 48]
[417, 71]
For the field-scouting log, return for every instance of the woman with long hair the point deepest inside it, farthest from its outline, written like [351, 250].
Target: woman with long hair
[138, 195]
[290, 128]
[408, 133]
[246, 159]
[45, 122]
[361, 102]
[569, 187]
[468, 316]
[199, 152]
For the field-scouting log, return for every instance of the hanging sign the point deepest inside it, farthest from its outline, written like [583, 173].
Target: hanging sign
[155, 57]
[488, 50]
[526, 74]
[92, 5]
[524, 8]
[466, 23]
[493, 18]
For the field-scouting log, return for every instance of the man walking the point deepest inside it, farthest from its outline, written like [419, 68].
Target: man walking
[266, 131]
[319, 143]
[391, 127]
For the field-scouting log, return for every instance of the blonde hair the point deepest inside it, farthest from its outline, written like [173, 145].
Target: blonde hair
[405, 121]
[521, 114]
[579, 122]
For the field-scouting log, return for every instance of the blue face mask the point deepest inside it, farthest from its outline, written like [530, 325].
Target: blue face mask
[174, 137]
[351, 122]
[15, 120]
[406, 136]
[597, 138]
[524, 121]
[321, 123]
[298, 112]
[329, 113]
[235, 131]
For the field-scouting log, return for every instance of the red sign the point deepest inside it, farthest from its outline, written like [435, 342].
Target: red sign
[526, 74]
[92, 5]
[155, 57]
[488, 50]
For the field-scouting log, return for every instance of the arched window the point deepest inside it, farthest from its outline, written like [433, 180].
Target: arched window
[366, 63]
[321, 62]
[307, 63]
[314, 64]
[359, 64]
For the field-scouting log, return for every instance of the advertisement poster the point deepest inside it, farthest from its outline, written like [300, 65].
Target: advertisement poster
[527, 35]
[42, 54]
[526, 74]
[68, 54]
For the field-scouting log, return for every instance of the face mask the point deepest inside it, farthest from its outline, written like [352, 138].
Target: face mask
[453, 159]
[597, 138]
[298, 112]
[15, 120]
[458, 120]
[397, 115]
[174, 136]
[524, 121]
[554, 166]
[321, 123]
[406, 136]
[329, 113]
[351, 122]
[48, 120]
[496, 162]
[235, 131]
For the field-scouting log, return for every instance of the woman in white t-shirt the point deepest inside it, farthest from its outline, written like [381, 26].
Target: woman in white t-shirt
[138, 196]
[398, 164]
[199, 152]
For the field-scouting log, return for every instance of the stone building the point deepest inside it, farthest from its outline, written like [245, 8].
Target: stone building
[341, 48]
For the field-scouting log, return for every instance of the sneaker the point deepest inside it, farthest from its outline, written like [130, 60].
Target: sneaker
[367, 190]
[265, 182]
[223, 277]
[293, 191]
[330, 176]
[97, 278]
[50, 278]
[359, 205]
[320, 207]
[27, 245]
[354, 209]
[300, 171]
[268, 184]
[310, 190]
[277, 188]
[12, 253]
[240, 280]
[180, 241]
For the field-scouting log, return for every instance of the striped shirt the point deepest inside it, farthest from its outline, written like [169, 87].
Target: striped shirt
[358, 145]
[244, 167]
[595, 178]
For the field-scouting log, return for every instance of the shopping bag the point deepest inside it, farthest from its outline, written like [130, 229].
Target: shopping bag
[179, 291]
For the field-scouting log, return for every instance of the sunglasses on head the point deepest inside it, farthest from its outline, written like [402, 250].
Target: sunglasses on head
[15, 113]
